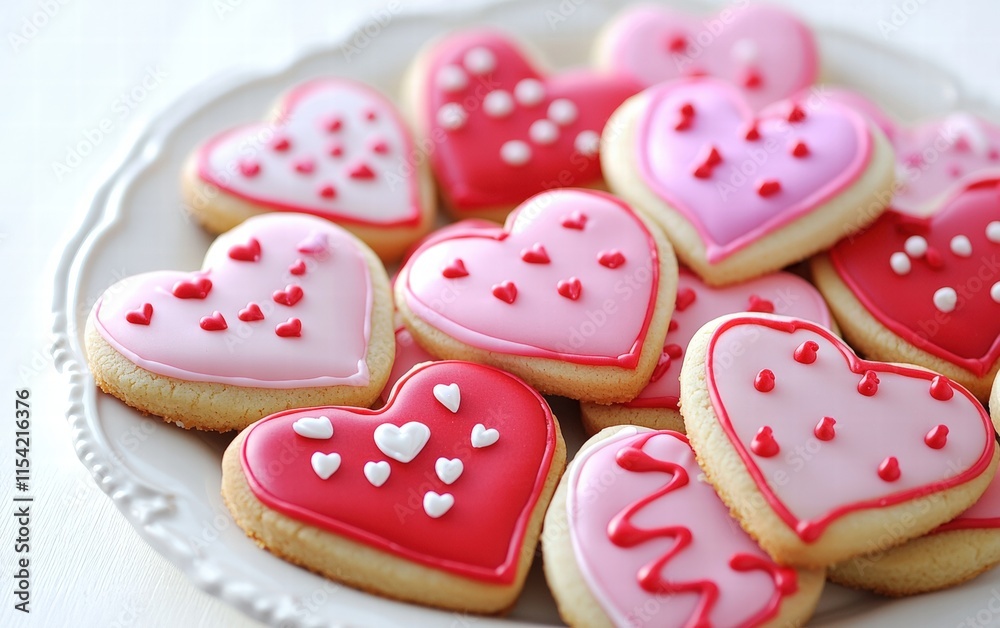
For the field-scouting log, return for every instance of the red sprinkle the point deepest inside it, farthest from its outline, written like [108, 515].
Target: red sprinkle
[281, 144]
[713, 158]
[576, 220]
[752, 79]
[677, 43]
[752, 134]
[685, 297]
[197, 289]
[250, 313]
[868, 385]
[328, 191]
[937, 437]
[141, 315]
[380, 147]
[535, 255]
[455, 269]
[505, 291]
[334, 124]
[292, 328]
[800, 149]
[335, 150]
[764, 382]
[934, 258]
[291, 295]
[674, 351]
[941, 388]
[662, 366]
[757, 304]
[249, 252]
[805, 353]
[763, 444]
[687, 115]
[298, 267]
[796, 114]
[824, 429]
[672, 326]
[611, 259]
[570, 288]
[360, 170]
[304, 166]
[769, 187]
[888, 470]
[215, 322]
[249, 168]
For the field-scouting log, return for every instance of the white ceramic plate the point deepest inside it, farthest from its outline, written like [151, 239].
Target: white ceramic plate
[166, 480]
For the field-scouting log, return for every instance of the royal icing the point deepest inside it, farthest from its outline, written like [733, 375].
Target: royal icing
[252, 322]
[335, 148]
[697, 303]
[882, 412]
[476, 285]
[765, 51]
[657, 546]
[408, 355]
[452, 506]
[944, 301]
[935, 156]
[693, 152]
[504, 119]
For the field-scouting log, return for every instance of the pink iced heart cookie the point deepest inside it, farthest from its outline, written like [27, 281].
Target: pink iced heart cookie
[333, 148]
[817, 451]
[503, 130]
[741, 194]
[933, 157]
[697, 303]
[440, 492]
[660, 548]
[287, 308]
[573, 294]
[765, 51]
[408, 355]
[930, 282]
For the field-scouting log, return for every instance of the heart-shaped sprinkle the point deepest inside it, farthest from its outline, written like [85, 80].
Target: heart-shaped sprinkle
[757, 304]
[685, 298]
[292, 328]
[455, 269]
[436, 505]
[536, 254]
[298, 267]
[213, 322]
[482, 437]
[402, 443]
[377, 472]
[570, 288]
[250, 313]
[291, 295]
[449, 396]
[314, 427]
[192, 289]
[578, 221]
[325, 465]
[315, 243]
[612, 259]
[360, 170]
[826, 430]
[141, 315]
[249, 252]
[448, 469]
[505, 291]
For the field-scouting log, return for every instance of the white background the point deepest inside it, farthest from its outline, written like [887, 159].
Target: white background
[67, 69]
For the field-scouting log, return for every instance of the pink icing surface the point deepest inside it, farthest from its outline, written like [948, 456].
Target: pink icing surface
[810, 482]
[738, 44]
[408, 355]
[600, 489]
[605, 325]
[503, 129]
[329, 131]
[935, 156]
[334, 311]
[726, 207]
[789, 294]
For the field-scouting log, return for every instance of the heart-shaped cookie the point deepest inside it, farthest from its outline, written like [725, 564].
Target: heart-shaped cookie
[697, 303]
[740, 193]
[573, 286]
[766, 51]
[287, 308]
[413, 510]
[932, 282]
[334, 148]
[504, 130]
[817, 451]
[933, 157]
[660, 548]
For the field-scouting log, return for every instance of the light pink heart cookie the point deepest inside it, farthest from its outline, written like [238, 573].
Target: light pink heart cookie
[573, 277]
[660, 548]
[283, 302]
[740, 193]
[766, 51]
[935, 156]
[834, 445]
[504, 130]
[334, 148]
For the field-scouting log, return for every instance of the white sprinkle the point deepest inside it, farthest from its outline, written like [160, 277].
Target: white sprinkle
[498, 103]
[945, 299]
[325, 465]
[562, 111]
[587, 142]
[529, 92]
[449, 396]
[451, 116]
[515, 153]
[480, 60]
[448, 470]
[899, 262]
[377, 472]
[452, 78]
[482, 437]
[993, 231]
[744, 51]
[961, 246]
[995, 292]
[915, 246]
[436, 505]
[543, 132]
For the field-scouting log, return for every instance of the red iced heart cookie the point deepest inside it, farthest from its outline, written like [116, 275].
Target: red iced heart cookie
[502, 129]
[765, 51]
[823, 436]
[933, 157]
[933, 282]
[334, 148]
[246, 321]
[494, 291]
[451, 478]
